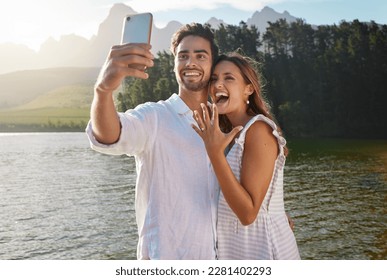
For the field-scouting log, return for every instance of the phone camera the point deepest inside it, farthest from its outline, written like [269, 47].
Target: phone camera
[128, 18]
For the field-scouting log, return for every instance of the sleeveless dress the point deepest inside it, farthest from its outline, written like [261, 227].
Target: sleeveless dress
[269, 237]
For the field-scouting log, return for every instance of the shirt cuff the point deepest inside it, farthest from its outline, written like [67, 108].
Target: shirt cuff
[113, 149]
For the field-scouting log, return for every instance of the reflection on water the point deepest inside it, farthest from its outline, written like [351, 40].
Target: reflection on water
[61, 200]
[336, 192]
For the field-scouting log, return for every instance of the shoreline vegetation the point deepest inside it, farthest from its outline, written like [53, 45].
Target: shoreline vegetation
[44, 120]
[49, 127]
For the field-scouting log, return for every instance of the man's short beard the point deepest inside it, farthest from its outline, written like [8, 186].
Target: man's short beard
[196, 86]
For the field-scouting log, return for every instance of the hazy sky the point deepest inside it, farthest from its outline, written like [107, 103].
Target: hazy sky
[31, 22]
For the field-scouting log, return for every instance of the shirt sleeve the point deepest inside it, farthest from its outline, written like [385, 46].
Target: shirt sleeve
[138, 131]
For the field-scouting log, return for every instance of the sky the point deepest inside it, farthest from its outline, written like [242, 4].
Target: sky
[32, 22]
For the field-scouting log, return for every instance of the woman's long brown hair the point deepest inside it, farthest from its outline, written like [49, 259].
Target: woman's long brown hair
[257, 103]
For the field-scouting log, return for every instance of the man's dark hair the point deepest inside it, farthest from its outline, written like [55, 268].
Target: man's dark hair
[195, 29]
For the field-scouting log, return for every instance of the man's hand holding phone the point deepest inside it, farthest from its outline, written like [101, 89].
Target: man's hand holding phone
[132, 57]
[124, 60]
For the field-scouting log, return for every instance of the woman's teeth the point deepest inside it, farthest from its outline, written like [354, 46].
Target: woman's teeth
[221, 97]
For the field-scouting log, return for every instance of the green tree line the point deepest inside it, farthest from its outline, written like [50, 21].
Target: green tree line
[324, 81]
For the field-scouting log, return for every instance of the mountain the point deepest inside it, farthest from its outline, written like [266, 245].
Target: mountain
[63, 53]
[53, 87]
[75, 51]
[108, 34]
[215, 23]
[161, 38]
[261, 19]
[17, 57]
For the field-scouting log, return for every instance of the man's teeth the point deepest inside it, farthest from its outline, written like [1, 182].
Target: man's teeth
[191, 74]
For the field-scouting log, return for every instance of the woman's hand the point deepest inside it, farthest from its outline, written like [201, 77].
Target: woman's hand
[208, 129]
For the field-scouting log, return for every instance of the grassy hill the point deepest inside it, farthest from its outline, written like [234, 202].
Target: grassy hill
[75, 96]
[18, 88]
[46, 100]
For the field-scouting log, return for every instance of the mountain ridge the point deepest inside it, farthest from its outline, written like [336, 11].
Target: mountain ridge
[74, 61]
[75, 51]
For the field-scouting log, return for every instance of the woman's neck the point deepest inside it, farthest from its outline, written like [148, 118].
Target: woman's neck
[239, 119]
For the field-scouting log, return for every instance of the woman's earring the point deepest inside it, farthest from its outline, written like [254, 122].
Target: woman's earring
[247, 102]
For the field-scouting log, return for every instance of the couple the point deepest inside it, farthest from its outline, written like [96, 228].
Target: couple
[179, 148]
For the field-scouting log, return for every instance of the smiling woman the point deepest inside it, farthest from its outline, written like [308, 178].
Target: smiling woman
[248, 160]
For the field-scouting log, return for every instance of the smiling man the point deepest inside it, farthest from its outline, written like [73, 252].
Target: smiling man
[176, 198]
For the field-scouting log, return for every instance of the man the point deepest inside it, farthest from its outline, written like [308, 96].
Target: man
[176, 200]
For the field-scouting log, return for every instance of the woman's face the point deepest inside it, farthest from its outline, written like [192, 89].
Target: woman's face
[229, 91]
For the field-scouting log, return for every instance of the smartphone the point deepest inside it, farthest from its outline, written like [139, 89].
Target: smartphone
[137, 28]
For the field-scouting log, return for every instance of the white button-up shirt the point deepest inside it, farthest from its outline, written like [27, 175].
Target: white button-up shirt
[176, 197]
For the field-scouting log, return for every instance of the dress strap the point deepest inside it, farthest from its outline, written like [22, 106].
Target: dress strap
[281, 141]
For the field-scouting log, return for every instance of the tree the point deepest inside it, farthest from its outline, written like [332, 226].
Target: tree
[232, 38]
[323, 81]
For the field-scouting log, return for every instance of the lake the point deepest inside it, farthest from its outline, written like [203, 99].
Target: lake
[62, 200]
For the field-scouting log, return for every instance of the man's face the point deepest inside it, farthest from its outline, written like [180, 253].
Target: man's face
[193, 63]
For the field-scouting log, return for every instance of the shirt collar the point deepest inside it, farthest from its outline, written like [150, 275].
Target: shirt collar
[179, 105]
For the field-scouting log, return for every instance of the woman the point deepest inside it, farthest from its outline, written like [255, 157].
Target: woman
[252, 223]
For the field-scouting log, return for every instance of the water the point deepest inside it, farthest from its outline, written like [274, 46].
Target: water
[336, 190]
[61, 200]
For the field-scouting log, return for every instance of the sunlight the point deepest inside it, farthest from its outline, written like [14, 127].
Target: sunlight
[23, 25]
[33, 22]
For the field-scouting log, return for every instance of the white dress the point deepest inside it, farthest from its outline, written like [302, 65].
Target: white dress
[269, 236]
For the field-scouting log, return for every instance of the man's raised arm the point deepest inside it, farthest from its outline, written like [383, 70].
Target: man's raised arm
[122, 61]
